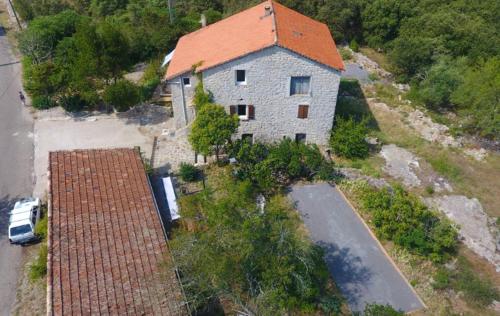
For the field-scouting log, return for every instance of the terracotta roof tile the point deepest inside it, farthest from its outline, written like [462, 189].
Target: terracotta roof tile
[250, 31]
[105, 238]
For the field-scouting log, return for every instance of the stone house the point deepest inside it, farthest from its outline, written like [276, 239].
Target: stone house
[275, 68]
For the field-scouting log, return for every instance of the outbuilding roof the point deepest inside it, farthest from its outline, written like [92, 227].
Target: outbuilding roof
[106, 242]
[254, 29]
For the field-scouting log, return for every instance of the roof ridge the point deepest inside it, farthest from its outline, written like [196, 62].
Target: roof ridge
[275, 28]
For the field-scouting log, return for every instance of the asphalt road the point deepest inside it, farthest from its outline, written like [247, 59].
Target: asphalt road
[357, 263]
[16, 167]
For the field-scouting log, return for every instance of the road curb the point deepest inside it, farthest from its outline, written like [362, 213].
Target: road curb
[382, 248]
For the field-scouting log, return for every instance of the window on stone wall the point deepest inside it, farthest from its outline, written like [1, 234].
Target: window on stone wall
[241, 77]
[300, 137]
[300, 85]
[186, 81]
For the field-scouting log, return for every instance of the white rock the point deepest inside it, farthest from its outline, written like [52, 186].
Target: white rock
[473, 224]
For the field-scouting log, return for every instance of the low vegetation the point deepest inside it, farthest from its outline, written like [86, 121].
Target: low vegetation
[401, 217]
[38, 268]
[381, 310]
[477, 290]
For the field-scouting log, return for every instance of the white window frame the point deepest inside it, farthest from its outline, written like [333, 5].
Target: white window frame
[297, 94]
[240, 83]
[242, 117]
[184, 84]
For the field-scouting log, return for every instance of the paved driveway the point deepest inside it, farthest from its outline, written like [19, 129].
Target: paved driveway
[357, 263]
[16, 166]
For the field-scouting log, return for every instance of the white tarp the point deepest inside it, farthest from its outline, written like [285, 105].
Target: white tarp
[171, 199]
[168, 58]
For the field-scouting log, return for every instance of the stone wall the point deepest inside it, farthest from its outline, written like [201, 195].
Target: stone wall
[268, 74]
[177, 104]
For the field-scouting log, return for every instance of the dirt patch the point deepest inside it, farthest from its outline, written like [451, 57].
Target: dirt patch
[477, 230]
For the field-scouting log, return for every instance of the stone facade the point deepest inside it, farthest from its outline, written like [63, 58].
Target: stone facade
[267, 88]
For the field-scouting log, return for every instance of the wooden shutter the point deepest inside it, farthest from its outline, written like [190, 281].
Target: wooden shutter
[251, 112]
[232, 109]
[303, 111]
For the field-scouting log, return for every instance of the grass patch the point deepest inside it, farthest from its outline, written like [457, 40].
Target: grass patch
[379, 58]
[477, 290]
[38, 269]
[442, 164]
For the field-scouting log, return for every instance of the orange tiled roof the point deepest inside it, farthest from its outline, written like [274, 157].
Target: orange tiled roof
[250, 31]
[105, 238]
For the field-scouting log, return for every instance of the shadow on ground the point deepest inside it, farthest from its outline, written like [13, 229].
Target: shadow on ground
[352, 103]
[348, 272]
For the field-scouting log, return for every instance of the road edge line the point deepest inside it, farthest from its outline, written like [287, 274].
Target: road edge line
[383, 249]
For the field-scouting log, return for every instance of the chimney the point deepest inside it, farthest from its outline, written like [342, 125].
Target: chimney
[267, 9]
[203, 20]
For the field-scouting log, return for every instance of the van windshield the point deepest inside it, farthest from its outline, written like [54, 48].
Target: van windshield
[19, 230]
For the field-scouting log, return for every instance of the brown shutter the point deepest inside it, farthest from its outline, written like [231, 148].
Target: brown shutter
[232, 109]
[303, 111]
[251, 112]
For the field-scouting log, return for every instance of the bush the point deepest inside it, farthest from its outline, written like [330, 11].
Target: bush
[381, 310]
[73, 103]
[354, 46]
[122, 95]
[273, 166]
[38, 269]
[345, 53]
[42, 102]
[348, 138]
[404, 219]
[188, 172]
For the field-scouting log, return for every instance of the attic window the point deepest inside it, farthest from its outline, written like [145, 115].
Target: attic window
[186, 81]
[241, 77]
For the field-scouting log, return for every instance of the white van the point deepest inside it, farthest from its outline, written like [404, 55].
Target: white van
[23, 219]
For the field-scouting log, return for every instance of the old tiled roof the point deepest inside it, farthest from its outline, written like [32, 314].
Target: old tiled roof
[106, 242]
[250, 31]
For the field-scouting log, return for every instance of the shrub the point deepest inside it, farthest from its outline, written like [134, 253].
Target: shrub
[38, 269]
[73, 103]
[354, 46]
[148, 89]
[381, 310]
[345, 53]
[188, 172]
[348, 138]
[42, 102]
[122, 95]
[404, 219]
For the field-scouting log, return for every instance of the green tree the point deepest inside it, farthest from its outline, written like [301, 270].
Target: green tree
[113, 51]
[212, 129]
[478, 97]
[122, 95]
[442, 79]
